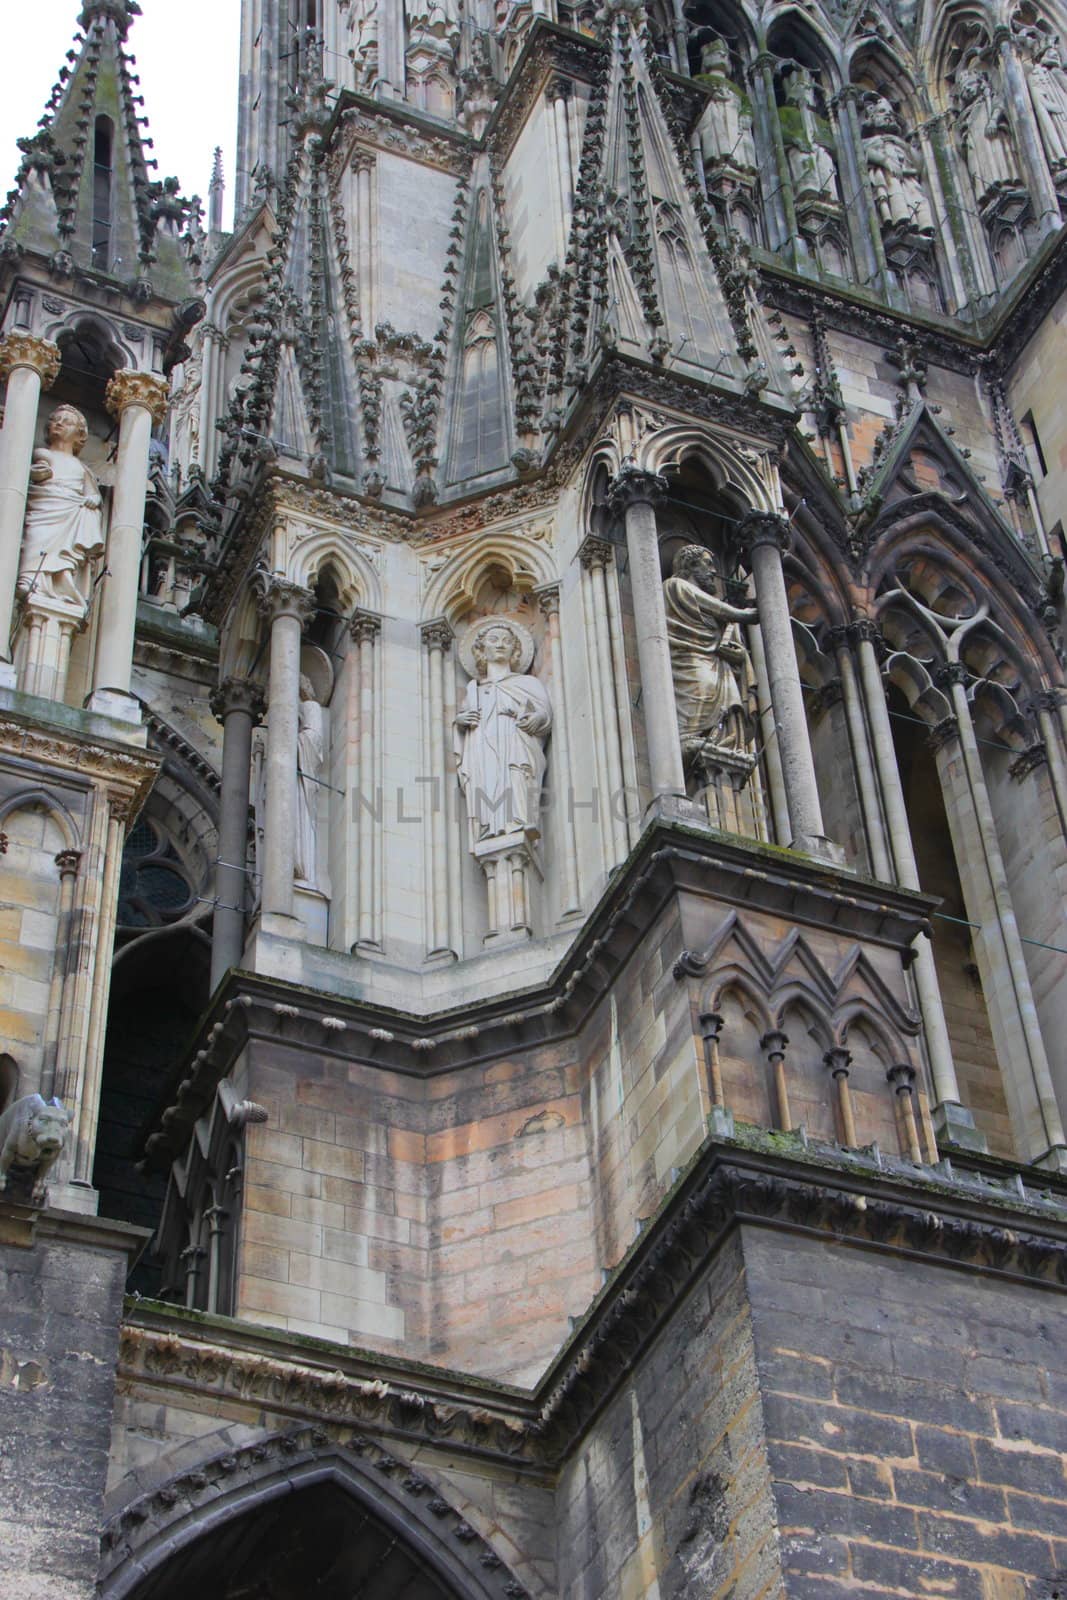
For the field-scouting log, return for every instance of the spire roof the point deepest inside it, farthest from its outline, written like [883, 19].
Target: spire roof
[83, 195]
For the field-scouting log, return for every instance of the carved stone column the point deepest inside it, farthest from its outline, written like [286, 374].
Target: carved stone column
[559, 139]
[902, 1077]
[437, 641]
[288, 607]
[774, 1045]
[603, 646]
[636, 495]
[764, 536]
[837, 1062]
[874, 826]
[365, 630]
[951, 1118]
[998, 946]
[139, 401]
[30, 366]
[563, 776]
[239, 705]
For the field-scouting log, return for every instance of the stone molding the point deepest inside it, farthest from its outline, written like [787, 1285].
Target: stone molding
[128, 388]
[23, 350]
[131, 771]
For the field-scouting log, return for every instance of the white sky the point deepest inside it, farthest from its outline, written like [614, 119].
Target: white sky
[186, 52]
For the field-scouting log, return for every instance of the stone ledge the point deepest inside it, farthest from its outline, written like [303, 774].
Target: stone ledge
[1012, 1226]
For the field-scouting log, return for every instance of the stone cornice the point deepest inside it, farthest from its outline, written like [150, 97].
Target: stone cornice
[27, 1226]
[548, 51]
[997, 1219]
[669, 859]
[128, 770]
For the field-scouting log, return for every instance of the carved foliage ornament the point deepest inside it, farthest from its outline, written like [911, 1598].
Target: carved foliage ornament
[137, 389]
[23, 350]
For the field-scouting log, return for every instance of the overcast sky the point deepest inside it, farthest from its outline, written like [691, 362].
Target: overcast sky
[186, 54]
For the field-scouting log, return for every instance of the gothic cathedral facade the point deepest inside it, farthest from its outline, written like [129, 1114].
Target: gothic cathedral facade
[533, 811]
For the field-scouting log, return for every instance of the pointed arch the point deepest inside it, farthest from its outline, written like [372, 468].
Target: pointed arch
[219, 1487]
[40, 800]
[747, 474]
[453, 591]
[357, 581]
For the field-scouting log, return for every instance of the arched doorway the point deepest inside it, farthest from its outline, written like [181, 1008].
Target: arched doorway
[296, 1515]
[318, 1541]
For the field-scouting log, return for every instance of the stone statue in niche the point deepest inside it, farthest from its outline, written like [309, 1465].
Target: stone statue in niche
[806, 136]
[726, 126]
[64, 530]
[310, 750]
[984, 133]
[711, 669]
[500, 733]
[714, 687]
[1047, 82]
[894, 171]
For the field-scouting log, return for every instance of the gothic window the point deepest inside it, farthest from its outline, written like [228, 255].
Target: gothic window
[103, 180]
[155, 887]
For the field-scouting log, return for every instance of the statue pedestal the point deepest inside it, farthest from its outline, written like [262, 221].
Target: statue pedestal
[510, 864]
[313, 909]
[42, 649]
[728, 781]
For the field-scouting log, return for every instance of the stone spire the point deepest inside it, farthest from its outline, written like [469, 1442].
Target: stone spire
[83, 197]
[216, 195]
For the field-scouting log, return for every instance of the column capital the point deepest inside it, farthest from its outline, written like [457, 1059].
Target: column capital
[548, 600]
[949, 673]
[943, 733]
[128, 388]
[364, 627]
[23, 350]
[901, 1076]
[280, 597]
[68, 862]
[633, 486]
[559, 88]
[1029, 760]
[864, 631]
[763, 527]
[838, 1061]
[437, 635]
[774, 1042]
[238, 694]
[594, 552]
[711, 1024]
